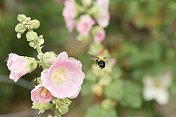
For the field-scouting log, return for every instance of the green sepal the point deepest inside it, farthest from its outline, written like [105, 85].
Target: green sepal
[42, 107]
[32, 64]
[62, 105]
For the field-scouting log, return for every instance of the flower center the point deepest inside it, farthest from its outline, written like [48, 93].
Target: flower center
[157, 84]
[58, 75]
[43, 91]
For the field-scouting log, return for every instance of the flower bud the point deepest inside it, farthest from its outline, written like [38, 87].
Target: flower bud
[21, 18]
[40, 56]
[97, 89]
[49, 57]
[20, 65]
[18, 35]
[31, 44]
[83, 38]
[20, 28]
[98, 33]
[94, 11]
[41, 37]
[86, 2]
[35, 24]
[105, 80]
[31, 35]
[107, 103]
[41, 41]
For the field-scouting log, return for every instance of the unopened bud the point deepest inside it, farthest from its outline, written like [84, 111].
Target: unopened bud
[21, 18]
[97, 89]
[41, 37]
[35, 24]
[31, 35]
[18, 35]
[41, 41]
[32, 44]
[20, 28]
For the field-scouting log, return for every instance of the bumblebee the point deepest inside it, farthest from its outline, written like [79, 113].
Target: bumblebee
[100, 61]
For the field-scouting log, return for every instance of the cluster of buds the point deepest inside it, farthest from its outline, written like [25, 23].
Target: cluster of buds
[24, 24]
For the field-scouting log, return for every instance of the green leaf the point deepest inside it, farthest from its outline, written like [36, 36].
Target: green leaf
[91, 77]
[42, 107]
[115, 90]
[57, 113]
[98, 111]
[86, 88]
[132, 95]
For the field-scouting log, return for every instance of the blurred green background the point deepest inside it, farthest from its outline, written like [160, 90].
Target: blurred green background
[141, 35]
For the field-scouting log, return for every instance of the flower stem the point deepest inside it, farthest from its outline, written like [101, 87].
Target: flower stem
[39, 50]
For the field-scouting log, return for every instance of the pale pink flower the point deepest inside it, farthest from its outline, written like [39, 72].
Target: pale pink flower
[84, 25]
[113, 61]
[70, 24]
[99, 36]
[17, 66]
[69, 14]
[40, 94]
[64, 77]
[103, 17]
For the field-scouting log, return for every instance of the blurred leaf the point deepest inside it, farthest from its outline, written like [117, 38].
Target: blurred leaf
[115, 90]
[98, 111]
[132, 95]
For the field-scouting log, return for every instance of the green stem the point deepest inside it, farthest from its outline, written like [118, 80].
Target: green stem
[39, 50]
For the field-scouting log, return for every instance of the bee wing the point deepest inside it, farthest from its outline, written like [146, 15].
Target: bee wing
[92, 57]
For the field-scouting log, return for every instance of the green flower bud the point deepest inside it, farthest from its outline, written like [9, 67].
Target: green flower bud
[40, 56]
[83, 38]
[107, 103]
[97, 89]
[21, 18]
[31, 35]
[49, 57]
[31, 44]
[32, 64]
[94, 11]
[20, 28]
[86, 3]
[95, 29]
[105, 80]
[35, 24]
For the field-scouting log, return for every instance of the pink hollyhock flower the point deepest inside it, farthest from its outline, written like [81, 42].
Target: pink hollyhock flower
[71, 24]
[69, 14]
[17, 66]
[64, 77]
[40, 94]
[85, 25]
[103, 17]
[99, 36]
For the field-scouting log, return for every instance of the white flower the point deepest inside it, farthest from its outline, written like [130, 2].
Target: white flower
[157, 87]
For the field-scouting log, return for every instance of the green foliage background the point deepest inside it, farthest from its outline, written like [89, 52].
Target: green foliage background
[141, 36]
